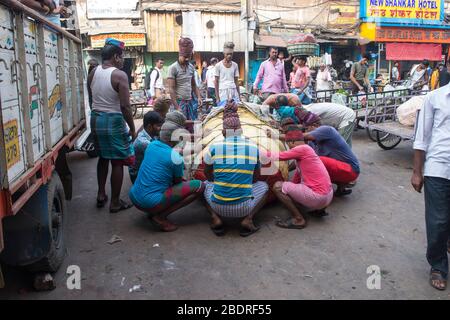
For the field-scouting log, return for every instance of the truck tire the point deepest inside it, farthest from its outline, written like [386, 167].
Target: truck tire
[57, 220]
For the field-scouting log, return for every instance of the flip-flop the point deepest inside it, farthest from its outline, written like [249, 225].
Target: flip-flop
[218, 230]
[344, 192]
[163, 227]
[123, 206]
[101, 203]
[245, 232]
[437, 275]
[289, 224]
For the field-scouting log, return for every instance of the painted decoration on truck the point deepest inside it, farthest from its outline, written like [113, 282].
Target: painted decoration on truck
[54, 101]
[33, 99]
[12, 146]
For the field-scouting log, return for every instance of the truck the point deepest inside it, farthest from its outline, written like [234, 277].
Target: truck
[42, 113]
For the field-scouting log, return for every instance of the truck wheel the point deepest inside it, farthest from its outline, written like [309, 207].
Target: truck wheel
[57, 218]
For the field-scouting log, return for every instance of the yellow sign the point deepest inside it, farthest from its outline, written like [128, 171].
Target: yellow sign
[12, 146]
[130, 39]
[403, 11]
[346, 15]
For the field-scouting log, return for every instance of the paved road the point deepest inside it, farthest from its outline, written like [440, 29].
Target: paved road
[381, 223]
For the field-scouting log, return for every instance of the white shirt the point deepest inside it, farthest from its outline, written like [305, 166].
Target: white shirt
[433, 133]
[156, 84]
[332, 114]
[323, 80]
[227, 75]
[210, 77]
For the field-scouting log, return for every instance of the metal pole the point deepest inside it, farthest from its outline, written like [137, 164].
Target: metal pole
[244, 5]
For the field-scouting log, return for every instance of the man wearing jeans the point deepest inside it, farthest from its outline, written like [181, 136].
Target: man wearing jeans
[432, 169]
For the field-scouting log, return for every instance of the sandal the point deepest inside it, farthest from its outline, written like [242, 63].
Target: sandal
[319, 213]
[245, 231]
[165, 226]
[289, 224]
[101, 203]
[123, 206]
[436, 275]
[218, 230]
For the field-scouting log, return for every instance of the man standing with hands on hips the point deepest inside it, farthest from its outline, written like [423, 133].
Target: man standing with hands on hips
[432, 170]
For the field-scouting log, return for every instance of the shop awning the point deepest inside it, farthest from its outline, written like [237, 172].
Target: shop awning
[269, 41]
[413, 51]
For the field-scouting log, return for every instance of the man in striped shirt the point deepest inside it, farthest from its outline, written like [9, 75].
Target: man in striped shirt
[232, 169]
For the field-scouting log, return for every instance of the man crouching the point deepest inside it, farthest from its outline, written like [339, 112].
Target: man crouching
[232, 168]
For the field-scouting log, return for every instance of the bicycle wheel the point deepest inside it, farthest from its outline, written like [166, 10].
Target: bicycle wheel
[387, 141]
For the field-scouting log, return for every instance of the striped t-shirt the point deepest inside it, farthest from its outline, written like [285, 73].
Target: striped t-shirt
[234, 160]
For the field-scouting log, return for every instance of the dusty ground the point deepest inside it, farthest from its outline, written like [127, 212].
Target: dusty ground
[381, 223]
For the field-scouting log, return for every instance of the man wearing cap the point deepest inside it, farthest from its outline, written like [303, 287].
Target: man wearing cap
[310, 187]
[232, 168]
[181, 81]
[337, 156]
[111, 112]
[227, 75]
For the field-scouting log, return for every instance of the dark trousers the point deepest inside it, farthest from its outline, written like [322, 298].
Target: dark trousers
[437, 218]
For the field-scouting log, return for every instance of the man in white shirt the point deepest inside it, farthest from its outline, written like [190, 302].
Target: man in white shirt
[432, 170]
[211, 79]
[227, 75]
[337, 116]
[154, 82]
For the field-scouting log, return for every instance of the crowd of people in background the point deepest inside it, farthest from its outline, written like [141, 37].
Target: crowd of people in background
[319, 137]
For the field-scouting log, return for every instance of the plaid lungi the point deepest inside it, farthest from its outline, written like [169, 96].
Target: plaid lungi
[111, 135]
[189, 108]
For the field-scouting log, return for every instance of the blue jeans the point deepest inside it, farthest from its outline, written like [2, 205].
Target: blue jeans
[437, 218]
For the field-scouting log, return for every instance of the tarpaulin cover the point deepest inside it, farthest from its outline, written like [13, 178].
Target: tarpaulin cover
[414, 51]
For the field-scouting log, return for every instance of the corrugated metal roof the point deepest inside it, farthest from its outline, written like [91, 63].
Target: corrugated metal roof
[163, 31]
[202, 6]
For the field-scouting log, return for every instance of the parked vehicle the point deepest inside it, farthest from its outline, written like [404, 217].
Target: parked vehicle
[42, 114]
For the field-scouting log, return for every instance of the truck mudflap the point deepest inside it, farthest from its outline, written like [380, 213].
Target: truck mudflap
[27, 238]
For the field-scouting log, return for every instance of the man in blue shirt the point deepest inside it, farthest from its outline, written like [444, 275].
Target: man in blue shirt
[232, 168]
[159, 189]
[152, 125]
[340, 161]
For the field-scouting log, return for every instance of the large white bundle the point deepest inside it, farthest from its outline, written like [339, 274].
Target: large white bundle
[406, 112]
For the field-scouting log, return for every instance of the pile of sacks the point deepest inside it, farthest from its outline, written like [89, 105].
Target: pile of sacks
[407, 112]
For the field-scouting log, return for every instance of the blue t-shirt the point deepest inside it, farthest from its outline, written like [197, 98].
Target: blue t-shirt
[234, 160]
[160, 167]
[329, 143]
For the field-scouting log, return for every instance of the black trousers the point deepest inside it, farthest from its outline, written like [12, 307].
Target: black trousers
[437, 218]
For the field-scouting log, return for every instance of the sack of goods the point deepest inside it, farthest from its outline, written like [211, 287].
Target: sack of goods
[339, 98]
[406, 112]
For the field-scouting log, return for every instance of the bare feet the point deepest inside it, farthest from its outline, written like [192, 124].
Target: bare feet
[163, 224]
